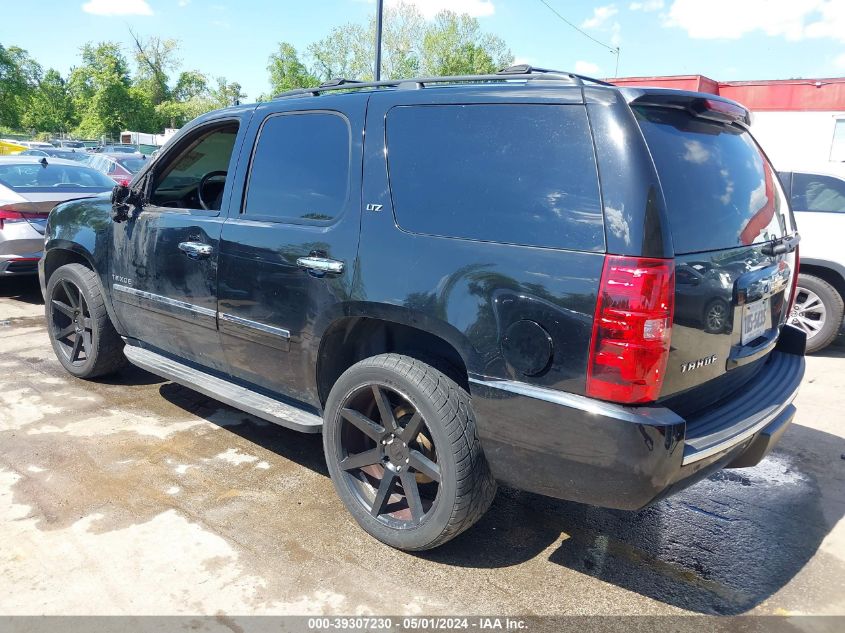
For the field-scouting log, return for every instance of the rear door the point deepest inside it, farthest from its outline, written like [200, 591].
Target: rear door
[288, 249]
[726, 208]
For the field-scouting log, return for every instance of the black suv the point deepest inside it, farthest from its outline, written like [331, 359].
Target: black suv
[533, 277]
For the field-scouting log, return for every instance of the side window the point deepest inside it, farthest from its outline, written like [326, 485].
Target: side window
[814, 192]
[192, 174]
[300, 169]
[519, 174]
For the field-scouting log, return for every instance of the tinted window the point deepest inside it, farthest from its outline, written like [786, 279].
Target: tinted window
[300, 169]
[814, 192]
[719, 188]
[33, 177]
[521, 174]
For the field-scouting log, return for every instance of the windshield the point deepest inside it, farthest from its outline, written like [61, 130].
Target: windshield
[32, 177]
[720, 190]
[132, 165]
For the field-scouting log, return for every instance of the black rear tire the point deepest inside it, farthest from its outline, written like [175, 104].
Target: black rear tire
[82, 335]
[402, 450]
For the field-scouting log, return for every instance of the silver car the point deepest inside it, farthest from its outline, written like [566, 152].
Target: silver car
[30, 186]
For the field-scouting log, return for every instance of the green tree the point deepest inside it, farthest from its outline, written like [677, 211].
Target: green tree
[19, 77]
[449, 44]
[191, 84]
[455, 45]
[50, 107]
[287, 71]
[155, 58]
[100, 89]
[345, 52]
[225, 93]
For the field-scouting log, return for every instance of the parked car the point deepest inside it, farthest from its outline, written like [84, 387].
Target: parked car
[69, 144]
[36, 144]
[114, 149]
[119, 167]
[57, 152]
[481, 288]
[817, 194]
[29, 188]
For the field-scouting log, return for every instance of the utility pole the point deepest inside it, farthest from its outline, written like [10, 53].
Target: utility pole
[379, 19]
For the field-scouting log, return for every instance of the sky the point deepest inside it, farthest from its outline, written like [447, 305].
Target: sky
[723, 39]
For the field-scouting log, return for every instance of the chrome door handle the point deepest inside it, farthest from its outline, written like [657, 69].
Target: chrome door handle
[195, 250]
[320, 264]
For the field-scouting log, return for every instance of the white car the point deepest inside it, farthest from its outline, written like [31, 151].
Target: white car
[817, 195]
[30, 186]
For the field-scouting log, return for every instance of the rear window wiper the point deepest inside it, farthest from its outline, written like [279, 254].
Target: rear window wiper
[781, 245]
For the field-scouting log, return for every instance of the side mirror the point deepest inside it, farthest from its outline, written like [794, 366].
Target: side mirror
[123, 200]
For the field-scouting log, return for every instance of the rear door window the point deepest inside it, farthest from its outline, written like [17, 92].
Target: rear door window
[519, 174]
[300, 169]
[816, 192]
[720, 190]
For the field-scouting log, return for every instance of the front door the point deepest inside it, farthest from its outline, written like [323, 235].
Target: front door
[164, 264]
[288, 248]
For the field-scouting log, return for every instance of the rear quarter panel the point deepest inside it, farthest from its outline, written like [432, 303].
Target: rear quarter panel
[466, 291]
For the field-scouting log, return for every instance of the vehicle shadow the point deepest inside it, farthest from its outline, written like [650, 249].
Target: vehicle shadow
[23, 288]
[722, 546]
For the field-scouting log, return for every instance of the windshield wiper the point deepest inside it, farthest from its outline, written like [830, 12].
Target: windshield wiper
[781, 245]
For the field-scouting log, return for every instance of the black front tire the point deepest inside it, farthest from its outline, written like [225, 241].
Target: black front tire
[398, 495]
[82, 335]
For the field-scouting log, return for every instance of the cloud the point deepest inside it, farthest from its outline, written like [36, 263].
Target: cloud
[430, 8]
[776, 18]
[646, 5]
[696, 152]
[839, 62]
[600, 16]
[586, 68]
[117, 7]
[184, 3]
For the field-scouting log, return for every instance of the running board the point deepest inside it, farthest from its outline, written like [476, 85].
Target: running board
[234, 395]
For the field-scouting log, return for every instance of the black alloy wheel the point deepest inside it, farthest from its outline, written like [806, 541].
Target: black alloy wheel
[81, 333]
[70, 320]
[388, 456]
[402, 449]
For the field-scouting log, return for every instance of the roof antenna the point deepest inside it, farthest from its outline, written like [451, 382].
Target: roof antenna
[43, 162]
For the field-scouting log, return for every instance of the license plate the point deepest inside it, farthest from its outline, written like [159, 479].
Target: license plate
[754, 320]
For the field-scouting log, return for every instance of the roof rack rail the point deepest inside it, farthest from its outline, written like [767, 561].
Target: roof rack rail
[520, 71]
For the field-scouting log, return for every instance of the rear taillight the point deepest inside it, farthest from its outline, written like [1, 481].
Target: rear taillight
[7, 215]
[19, 212]
[632, 329]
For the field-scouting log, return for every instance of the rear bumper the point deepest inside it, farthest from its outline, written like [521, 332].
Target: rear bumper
[576, 448]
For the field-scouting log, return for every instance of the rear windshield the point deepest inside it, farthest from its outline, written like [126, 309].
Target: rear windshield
[33, 177]
[720, 190]
[133, 165]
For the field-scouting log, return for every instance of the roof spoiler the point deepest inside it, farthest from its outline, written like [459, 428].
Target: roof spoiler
[698, 104]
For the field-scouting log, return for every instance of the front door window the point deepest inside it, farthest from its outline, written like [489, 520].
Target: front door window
[194, 177]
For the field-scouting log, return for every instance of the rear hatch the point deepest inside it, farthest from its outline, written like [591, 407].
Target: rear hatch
[734, 242]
